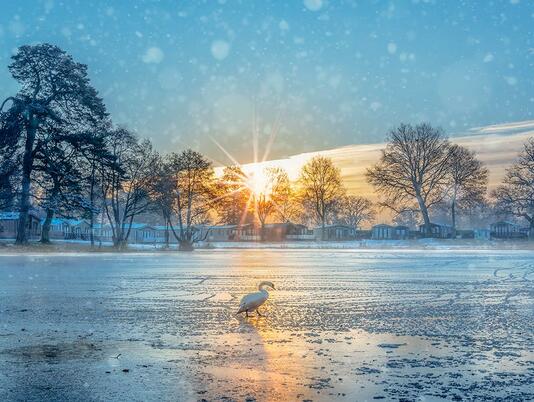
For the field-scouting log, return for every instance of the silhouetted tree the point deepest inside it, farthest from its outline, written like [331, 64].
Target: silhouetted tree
[283, 195]
[321, 188]
[192, 185]
[53, 87]
[264, 207]
[469, 179]
[235, 204]
[10, 157]
[353, 210]
[413, 168]
[409, 218]
[516, 195]
[126, 191]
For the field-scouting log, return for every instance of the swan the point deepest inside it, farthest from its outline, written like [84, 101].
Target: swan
[253, 301]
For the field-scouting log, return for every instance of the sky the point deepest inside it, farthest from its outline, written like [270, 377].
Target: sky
[305, 75]
[496, 146]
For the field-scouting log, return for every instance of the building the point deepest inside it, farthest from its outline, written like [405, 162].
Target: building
[69, 229]
[77, 229]
[481, 234]
[335, 233]
[102, 232]
[383, 231]
[227, 232]
[58, 228]
[9, 222]
[142, 233]
[163, 234]
[401, 232]
[466, 234]
[362, 234]
[286, 231]
[506, 230]
[438, 230]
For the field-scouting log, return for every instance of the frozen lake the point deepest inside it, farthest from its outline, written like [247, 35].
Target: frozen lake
[343, 325]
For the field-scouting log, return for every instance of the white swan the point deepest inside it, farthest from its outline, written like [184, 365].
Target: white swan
[253, 301]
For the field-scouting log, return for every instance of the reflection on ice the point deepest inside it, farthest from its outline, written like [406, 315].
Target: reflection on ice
[341, 326]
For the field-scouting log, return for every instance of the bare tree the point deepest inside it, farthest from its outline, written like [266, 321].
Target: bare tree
[283, 196]
[516, 195]
[409, 218]
[162, 193]
[264, 207]
[321, 188]
[413, 171]
[353, 210]
[469, 179]
[193, 193]
[235, 204]
[95, 159]
[53, 87]
[126, 191]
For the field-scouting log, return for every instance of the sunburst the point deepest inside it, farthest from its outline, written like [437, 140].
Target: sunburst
[256, 181]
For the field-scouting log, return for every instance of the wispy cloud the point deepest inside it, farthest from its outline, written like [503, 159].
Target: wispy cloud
[495, 145]
[505, 128]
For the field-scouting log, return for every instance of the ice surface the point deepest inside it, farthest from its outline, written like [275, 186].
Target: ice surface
[343, 325]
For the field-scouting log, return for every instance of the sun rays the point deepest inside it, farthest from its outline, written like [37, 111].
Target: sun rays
[255, 179]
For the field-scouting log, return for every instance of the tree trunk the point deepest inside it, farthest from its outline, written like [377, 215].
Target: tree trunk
[27, 166]
[167, 235]
[323, 230]
[262, 232]
[45, 231]
[92, 199]
[186, 245]
[531, 230]
[453, 213]
[121, 244]
[426, 217]
[91, 229]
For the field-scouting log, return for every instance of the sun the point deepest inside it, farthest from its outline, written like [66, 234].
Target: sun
[257, 180]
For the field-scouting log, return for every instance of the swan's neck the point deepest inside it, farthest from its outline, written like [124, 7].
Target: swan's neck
[262, 289]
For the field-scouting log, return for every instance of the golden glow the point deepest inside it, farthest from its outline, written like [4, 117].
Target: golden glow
[496, 146]
[257, 180]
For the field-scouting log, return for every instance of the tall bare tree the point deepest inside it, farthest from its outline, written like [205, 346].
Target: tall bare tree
[353, 210]
[53, 87]
[264, 207]
[126, 191]
[409, 218]
[162, 192]
[283, 195]
[516, 195]
[469, 180]
[235, 204]
[193, 194]
[413, 171]
[321, 188]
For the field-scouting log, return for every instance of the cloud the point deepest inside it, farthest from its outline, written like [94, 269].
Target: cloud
[496, 145]
[153, 55]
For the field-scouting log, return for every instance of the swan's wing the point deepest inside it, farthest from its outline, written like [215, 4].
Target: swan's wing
[252, 301]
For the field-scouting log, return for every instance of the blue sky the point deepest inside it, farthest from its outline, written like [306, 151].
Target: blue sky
[320, 74]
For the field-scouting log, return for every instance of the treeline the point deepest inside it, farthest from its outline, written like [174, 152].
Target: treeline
[60, 151]
[420, 173]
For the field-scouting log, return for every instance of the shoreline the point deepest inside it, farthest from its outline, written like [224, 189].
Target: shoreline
[70, 247]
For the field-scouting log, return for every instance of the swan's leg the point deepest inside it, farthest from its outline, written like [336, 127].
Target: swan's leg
[260, 314]
[246, 313]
